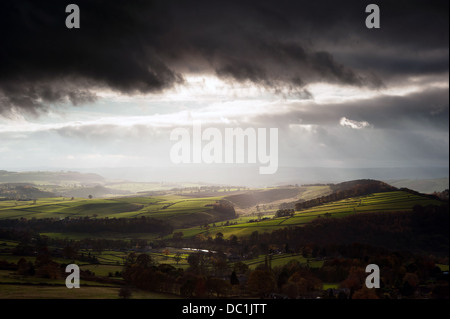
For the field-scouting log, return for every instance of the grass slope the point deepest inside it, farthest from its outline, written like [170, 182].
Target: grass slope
[180, 211]
[377, 202]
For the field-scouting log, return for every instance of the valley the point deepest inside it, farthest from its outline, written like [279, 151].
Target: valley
[212, 233]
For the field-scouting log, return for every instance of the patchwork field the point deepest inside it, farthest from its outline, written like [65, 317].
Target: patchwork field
[279, 260]
[182, 211]
[21, 291]
[107, 266]
[176, 209]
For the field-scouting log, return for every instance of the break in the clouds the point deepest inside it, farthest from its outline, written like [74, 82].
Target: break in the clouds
[353, 124]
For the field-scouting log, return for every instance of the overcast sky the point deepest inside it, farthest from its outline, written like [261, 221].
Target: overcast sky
[109, 94]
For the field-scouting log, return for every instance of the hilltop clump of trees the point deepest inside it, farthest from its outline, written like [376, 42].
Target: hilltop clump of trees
[284, 212]
[444, 195]
[224, 207]
[142, 224]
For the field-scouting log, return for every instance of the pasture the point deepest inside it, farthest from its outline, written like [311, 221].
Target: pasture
[23, 291]
[378, 202]
[279, 260]
[178, 210]
[183, 211]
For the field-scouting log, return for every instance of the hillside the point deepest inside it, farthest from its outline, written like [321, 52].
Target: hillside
[190, 213]
[269, 200]
[424, 230]
[101, 232]
[178, 211]
[385, 202]
[257, 197]
[96, 191]
[347, 190]
[12, 191]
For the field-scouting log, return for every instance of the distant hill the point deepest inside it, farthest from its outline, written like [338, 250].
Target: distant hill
[426, 186]
[255, 197]
[308, 195]
[95, 191]
[362, 187]
[56, 178]
[22, 192]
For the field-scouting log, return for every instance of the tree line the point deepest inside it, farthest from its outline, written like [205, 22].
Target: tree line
[425, 229]
[209, 275]
[224, 207]
[22, 191]
[422, 230]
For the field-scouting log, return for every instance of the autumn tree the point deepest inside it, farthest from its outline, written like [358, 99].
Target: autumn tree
[219, 238]
[306, 282]
[25, 268]
[261, 282]
[240, 267]
[355, 279]
[365, 293]
[177, 236]
[177, 257]
[218, 286]
[198, 263]
[290, 289]
[69, 252]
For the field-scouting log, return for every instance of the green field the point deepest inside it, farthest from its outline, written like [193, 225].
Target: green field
[179, 211]
[377, 202]
[176, 209]
[183, 210]
[14, 291]
[279, 260]
[110, 262]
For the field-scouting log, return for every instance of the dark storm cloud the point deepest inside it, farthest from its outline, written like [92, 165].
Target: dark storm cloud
[147, 46]
[115, 48]
[427, 110]
[33, 95]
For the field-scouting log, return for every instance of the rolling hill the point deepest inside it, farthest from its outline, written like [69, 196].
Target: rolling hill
[188, 214]
[22, 191]
[48, 178]
[179, 211]
[390, 201]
